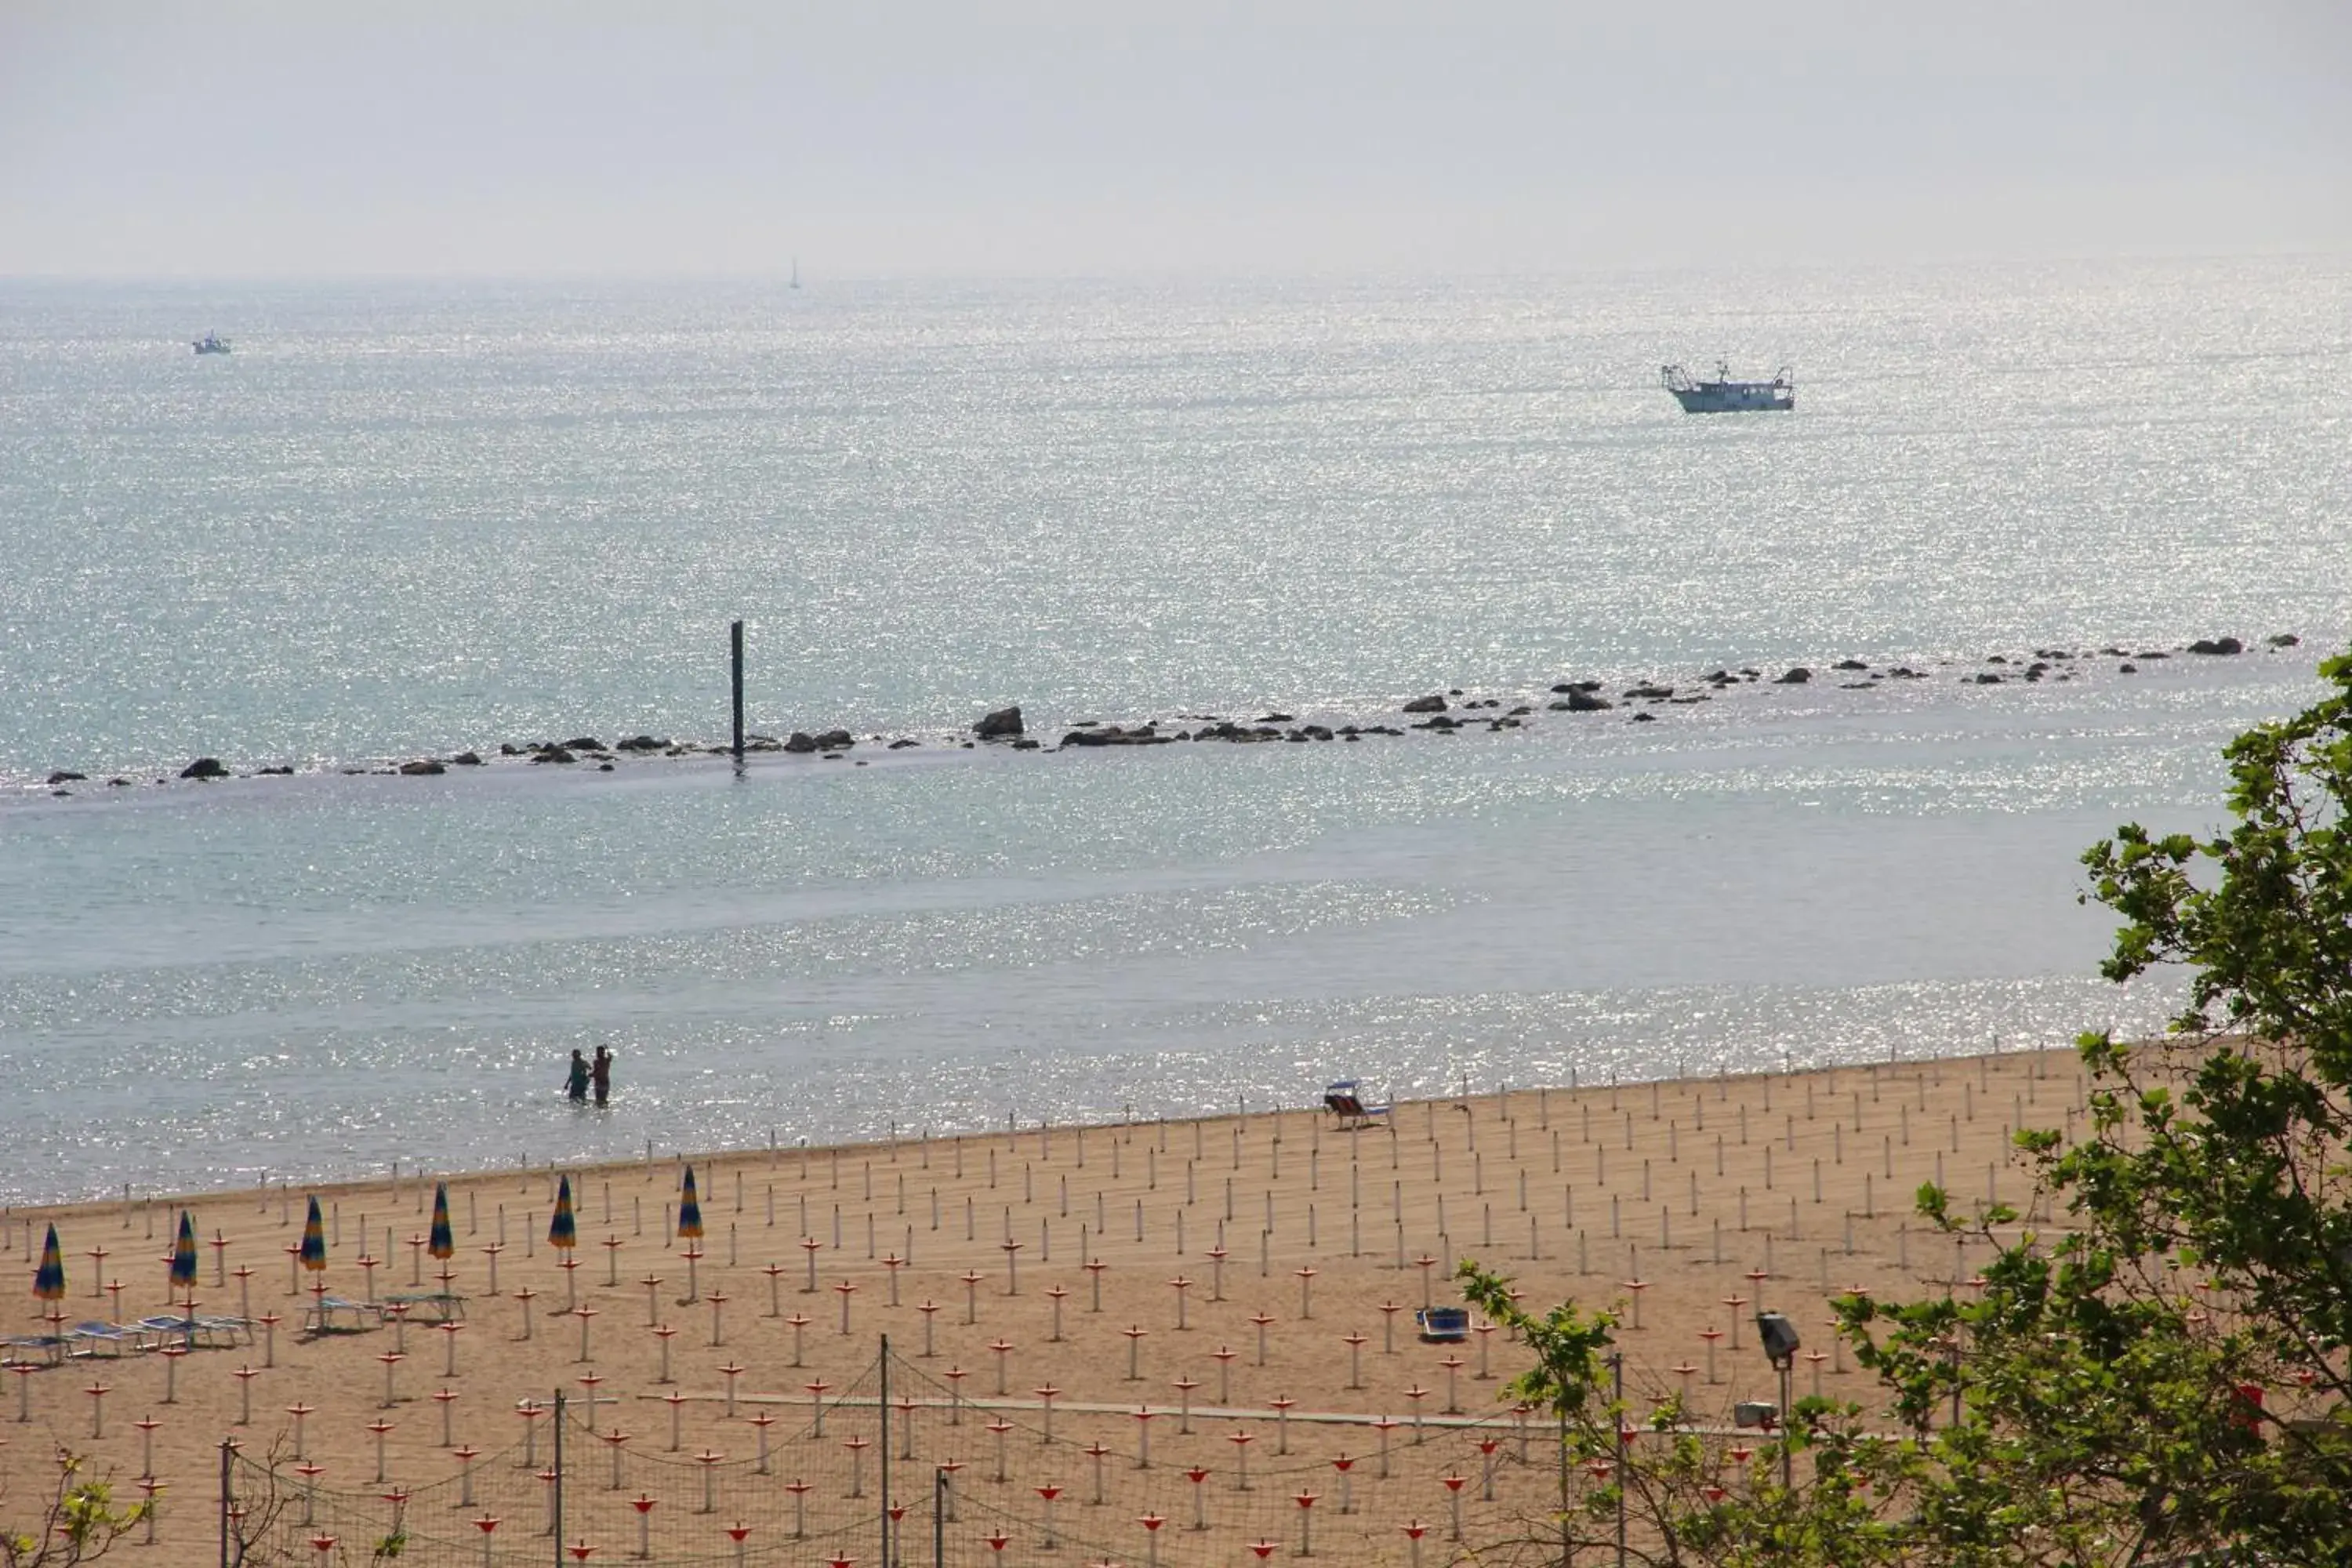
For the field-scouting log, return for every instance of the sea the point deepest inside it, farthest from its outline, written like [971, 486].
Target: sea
[403, 519]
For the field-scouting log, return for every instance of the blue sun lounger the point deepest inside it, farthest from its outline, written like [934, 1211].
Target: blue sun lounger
[1444, 1325]
[224, 1330]
[95, 1338]
[196, 1332]
[1342, 1100]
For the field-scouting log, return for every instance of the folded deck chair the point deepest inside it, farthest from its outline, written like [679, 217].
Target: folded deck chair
[1444, 1325]
[1342, 1100]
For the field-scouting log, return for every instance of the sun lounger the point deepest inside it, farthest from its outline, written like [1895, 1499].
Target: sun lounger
[28, 1349]
[95, 1338]
[1444, 1325]
[224, 1332]
[197, 1332]
[447, 1306]
[321, 1317]
[1342, 1100]
[168, 1327]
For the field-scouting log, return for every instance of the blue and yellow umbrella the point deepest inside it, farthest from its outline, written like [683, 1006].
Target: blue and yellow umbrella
[183, 1252]
[314, 1239]
[49, 1278]
[689, 1210]
[442, 1244]
[563, 1231]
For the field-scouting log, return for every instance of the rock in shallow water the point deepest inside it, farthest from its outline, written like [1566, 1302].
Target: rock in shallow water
[1112, 735]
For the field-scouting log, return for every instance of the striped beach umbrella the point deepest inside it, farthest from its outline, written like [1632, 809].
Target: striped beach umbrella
[563, 1231]
[183, 1252]
[314, 1239]
[689, 1210]
[443, 1245]
[49, 1278]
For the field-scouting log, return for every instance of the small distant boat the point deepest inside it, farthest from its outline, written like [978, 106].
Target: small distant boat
[1725, 396]
[796, 273]
[212, 343]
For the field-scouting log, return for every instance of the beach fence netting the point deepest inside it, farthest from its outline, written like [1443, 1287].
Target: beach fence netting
[898, 1466]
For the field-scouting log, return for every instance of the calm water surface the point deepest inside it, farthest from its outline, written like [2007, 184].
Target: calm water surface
[406, 520]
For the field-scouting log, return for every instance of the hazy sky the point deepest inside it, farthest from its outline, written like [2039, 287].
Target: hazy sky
[237, 138]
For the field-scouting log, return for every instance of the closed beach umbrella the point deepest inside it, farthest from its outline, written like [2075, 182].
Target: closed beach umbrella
[689, 1210]
[562, 1231]
[49, 1278]
[314, 1239]
[443, 1244]
[183, 1252]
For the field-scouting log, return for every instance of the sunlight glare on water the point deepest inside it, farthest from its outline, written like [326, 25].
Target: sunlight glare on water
[409, 519]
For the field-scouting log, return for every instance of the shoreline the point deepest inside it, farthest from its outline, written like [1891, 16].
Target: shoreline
[1065, 1283]
[412, 1174]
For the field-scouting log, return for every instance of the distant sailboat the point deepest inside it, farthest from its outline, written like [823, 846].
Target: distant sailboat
[796, 273]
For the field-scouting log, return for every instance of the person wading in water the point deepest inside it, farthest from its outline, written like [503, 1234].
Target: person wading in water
[600, 1073]
[576, 1085]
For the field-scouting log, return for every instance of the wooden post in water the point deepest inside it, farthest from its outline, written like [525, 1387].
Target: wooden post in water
[735, 639]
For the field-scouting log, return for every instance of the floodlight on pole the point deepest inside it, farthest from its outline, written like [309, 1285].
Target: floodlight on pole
[1780, 1343]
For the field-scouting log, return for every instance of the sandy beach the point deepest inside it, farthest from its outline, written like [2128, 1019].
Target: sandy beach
[1206, 1323]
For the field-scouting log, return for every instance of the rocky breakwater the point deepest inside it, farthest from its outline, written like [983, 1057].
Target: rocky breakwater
[1449, 711]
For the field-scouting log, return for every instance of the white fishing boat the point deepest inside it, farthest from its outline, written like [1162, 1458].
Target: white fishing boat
[212, 343]
[1725, 396]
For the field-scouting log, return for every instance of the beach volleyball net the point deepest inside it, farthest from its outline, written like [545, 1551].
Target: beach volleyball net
[907, 1463]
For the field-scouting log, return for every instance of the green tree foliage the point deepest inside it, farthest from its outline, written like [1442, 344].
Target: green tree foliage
[2155, 1374]
[2161, 1376]
[78, 1520]
[1668, 1486]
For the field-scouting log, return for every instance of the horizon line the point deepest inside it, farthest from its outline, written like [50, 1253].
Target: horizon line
[870, 274]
